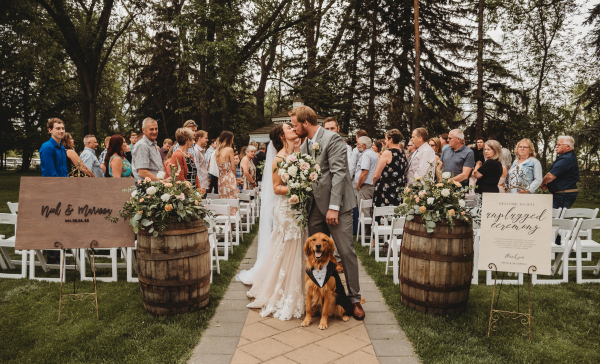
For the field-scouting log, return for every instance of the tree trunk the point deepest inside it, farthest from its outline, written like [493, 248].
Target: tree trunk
[480, 104]
[265, 66]
[311, 53]
[370, 127]
[417, 68]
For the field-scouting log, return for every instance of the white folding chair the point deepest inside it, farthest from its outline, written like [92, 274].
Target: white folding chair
[556, 213]
[131, 263]
[380, 216]
[363, 220]
[212, 196]
[397, 228]
[585, 245]
[253, 203]
[234, 219]
[475, 278]
[580, 213]
[245, 209]
[13, 207]
[214, 252]
[11, 219]
[113, 265]
[222, 226]
[569, 230]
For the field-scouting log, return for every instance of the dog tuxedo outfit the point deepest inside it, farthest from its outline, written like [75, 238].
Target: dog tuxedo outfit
[322, 276]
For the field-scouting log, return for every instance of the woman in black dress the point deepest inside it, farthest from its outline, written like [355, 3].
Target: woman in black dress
[488, 174]
[389, 174]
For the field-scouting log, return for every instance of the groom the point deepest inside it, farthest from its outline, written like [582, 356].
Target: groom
[333, 199]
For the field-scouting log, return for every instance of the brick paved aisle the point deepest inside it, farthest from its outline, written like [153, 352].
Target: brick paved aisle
[239, 335]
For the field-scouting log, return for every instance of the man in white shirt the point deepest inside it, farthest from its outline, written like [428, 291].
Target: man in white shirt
[366, 166]
[332, 125]
[422, 160]
[355, 156]
[200, 159]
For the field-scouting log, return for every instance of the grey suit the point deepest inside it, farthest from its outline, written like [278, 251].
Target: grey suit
[335, 188]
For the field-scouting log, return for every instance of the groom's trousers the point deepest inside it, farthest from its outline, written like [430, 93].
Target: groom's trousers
[342, 236]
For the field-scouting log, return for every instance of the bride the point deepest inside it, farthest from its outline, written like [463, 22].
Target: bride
[278, 281]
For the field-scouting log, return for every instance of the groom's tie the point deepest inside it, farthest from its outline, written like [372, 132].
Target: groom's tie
[310, 146]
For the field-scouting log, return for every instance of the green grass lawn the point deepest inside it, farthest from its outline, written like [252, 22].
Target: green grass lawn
[565, 323]
[125, 333]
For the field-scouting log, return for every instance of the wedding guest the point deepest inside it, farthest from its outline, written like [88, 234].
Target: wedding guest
[410, 148]
[167, 143]
[213, 170]
[189, 124]
[53, 163]
[366, 165]
[201, 163]
[167, 161]
[457, 158]
[377, 148]
[331, 124]
[526, 170]
[75, 165]
[185, 163]
[223, 156]
[563, 176]
[506, 164]
[390, 173]
[255, 145]
[249, 169]
[422, 160]
[133, 138]
[355, 156]
[478, 151]
[211, 148]
[103, 156]
[436, 145]
[261, 156]
[146, 158]
[489, 172]
[88, 156]
[118, 165]
[443, 141]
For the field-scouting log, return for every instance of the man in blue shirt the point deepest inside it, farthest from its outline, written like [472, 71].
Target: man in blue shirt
[53, 155]
[88, 156]
[563, 176]
[53, 163]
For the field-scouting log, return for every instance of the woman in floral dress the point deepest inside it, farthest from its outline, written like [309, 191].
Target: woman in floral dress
[227, 172]
[389, 175]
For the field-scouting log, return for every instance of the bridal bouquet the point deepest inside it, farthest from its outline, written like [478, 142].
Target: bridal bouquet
[154, 205]
[435, 201]
[299, 172]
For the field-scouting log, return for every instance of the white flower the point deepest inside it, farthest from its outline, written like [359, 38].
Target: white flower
[160, 175]
[461, 203]
[445, 192]
[308, 189]
[292, 170]
[165, 197]
[430, 200]
[151, 190]
[315, 146]
[446, 175]
[134, 193]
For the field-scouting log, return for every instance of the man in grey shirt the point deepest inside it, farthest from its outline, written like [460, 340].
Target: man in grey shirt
[365, 169]
[146, 160]
[88, 156]
[458, 159]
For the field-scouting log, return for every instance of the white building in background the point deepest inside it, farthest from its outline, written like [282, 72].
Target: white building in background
[261, 135]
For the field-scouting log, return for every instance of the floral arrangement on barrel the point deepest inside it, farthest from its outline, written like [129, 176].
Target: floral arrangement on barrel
[154, 205]
[435, 201]
[299, 172]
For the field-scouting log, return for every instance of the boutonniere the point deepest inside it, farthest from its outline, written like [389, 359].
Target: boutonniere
[316, 148]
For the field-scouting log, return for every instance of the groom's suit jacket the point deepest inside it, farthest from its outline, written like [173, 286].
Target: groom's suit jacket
[335, 186]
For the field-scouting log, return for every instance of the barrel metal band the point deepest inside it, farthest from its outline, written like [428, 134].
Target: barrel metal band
[434, 304]
[438, 235]
[437, 258]
[172, 256]
[190, 231]
[203, 281]
[427, 287]
[191, 302]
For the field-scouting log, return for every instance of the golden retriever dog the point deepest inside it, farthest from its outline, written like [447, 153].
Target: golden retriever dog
[327, 297]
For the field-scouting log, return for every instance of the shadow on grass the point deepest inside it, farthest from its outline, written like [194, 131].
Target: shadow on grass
[565, 324]
[125, 332]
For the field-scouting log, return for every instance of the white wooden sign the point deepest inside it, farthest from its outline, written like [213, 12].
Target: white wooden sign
[516, 232]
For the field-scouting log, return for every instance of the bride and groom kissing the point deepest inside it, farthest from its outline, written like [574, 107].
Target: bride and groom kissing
[278, 276]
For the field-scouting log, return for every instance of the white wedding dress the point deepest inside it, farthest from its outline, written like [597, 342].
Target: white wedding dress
[277, 277]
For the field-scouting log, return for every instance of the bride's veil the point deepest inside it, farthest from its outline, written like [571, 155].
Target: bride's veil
[267, 202]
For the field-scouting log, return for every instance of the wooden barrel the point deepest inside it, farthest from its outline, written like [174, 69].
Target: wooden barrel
[174, 268]
[435, 269]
